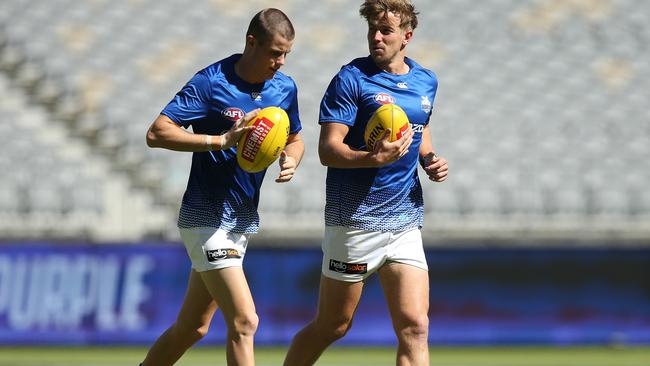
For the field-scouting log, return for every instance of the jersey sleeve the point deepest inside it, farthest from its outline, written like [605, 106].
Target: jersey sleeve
[294, 116]
[340, 102]
[191, 103]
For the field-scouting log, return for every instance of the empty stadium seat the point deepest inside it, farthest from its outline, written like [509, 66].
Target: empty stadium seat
[541, 109]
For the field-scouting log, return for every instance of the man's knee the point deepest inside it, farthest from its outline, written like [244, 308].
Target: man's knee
[245, 324]
[413, 327]
[334, 329]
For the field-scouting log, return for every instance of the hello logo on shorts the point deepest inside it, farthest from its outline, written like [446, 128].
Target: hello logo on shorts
[349, 268]
[219, 254]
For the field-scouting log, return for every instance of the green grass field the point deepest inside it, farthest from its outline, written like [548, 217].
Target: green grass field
[339, 356]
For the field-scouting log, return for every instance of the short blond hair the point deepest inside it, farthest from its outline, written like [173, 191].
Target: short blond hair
[371, 9]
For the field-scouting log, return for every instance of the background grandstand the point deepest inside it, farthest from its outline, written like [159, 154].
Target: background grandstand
[542, 113]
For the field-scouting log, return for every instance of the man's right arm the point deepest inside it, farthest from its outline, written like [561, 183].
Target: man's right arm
[335, 153]
[166, 134]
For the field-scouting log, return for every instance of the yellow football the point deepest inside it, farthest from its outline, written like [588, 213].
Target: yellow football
[385, 117]
[261, 146]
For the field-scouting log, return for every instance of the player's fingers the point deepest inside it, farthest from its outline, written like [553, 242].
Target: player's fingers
[438, 162]
[406, 135]
[405, 138]
[235, 134]
[382, 140]
[405, 145]
[284, 166]
[290, 169]
[252, 114]
[438, 177]
[284, 176]
[404, 149]
[243, 129]
[247, 118]
[287, 163]
[437, 171]
[386, 135]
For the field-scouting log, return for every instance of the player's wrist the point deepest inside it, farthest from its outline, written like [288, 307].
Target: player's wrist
[225, 141]
[376, 159]
[425, 159]
[213, 143]
[208, 142]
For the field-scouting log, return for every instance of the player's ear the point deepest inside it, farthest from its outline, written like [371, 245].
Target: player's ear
[407, 37]
[250, 40]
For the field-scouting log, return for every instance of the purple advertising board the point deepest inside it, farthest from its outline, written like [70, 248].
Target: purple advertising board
[56, 294]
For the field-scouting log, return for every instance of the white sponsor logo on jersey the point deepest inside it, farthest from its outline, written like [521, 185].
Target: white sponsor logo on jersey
[425, 104]
[417, 128]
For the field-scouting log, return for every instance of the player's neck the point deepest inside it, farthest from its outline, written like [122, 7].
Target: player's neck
[396, 67]
[245, 71]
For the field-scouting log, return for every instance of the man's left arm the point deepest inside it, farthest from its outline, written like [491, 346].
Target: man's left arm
[435, 166]
[290, 157]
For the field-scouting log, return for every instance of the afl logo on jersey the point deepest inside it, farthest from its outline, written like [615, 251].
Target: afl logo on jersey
[233, 113]
[383, 98]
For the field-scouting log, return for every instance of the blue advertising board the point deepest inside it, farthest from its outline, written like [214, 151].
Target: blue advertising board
[54, 294]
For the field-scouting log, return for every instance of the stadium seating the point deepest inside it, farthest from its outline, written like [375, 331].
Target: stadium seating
[55, 186]
[541, 112]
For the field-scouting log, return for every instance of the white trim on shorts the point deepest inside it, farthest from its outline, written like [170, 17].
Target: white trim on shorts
[211, 248]
[351, 255]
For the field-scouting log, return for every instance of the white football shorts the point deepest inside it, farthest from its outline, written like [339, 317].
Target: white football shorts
[351, 255]
[210, 248]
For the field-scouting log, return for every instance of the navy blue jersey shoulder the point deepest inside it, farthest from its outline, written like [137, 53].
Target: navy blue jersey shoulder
[219, 193]
[387, 198]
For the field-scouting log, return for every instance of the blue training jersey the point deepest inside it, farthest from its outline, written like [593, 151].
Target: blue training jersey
[219, 193]
[378, 199]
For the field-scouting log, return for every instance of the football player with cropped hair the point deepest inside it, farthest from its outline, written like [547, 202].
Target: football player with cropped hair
[219, 207]
[374, 204]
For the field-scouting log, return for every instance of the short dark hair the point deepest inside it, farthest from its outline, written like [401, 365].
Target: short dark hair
[269, 22]
[371, 9]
